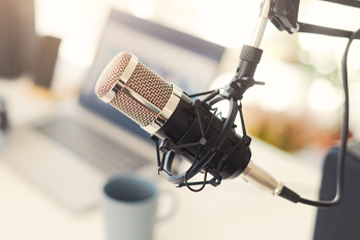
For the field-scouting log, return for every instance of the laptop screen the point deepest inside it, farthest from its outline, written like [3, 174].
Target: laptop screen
[189, 62]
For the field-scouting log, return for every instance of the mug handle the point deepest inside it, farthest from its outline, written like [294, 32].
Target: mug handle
[173, 208]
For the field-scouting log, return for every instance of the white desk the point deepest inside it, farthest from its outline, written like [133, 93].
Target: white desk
[234, 210]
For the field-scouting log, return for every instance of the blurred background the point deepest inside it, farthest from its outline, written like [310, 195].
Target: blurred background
[48, 46]
[301, 103]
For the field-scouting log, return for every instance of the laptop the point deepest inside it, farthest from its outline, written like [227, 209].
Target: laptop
[71, 152]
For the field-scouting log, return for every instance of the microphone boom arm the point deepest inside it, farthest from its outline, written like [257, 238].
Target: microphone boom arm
[283, 14]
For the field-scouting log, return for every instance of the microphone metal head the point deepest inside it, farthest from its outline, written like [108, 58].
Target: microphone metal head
[138, 92]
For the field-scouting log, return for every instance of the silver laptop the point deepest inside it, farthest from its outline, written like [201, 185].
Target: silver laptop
[71, 152]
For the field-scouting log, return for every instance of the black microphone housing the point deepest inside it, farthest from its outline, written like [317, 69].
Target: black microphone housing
[183, 128]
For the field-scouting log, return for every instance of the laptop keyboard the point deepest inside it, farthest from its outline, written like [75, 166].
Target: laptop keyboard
[101, 152]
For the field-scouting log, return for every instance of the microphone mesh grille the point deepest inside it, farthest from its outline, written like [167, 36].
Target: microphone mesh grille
[111, 74]
[151, 87]
[143, 81]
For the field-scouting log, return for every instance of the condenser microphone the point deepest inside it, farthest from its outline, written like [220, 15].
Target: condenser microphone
[186, 127]
[162, 109]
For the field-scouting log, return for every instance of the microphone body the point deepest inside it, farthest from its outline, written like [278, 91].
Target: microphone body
[163, 110]
[183, 128]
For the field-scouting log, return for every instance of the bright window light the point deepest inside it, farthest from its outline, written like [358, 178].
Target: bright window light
[323, 96]
[143, 8]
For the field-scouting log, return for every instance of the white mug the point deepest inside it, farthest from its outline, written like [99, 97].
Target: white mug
[129, 205]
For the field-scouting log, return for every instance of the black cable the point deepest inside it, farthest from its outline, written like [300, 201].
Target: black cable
[344, 135]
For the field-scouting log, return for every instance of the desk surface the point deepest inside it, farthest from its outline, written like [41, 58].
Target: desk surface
[234, 210]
